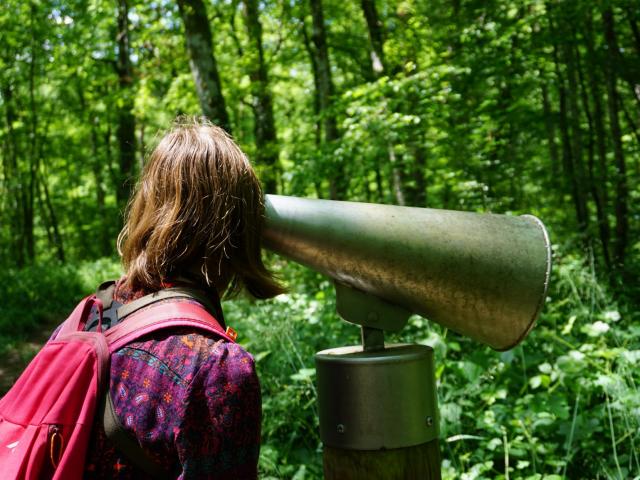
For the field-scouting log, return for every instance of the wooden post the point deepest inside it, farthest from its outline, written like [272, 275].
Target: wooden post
[419, 462]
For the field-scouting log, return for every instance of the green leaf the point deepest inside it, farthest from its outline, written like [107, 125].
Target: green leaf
[304, 375]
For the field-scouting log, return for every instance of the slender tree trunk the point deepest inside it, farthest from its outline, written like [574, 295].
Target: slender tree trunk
[46, 206]
[142, 148]
[635, 82]
[631, 124]
[420, 167]
[397, 174]
[620, 178]
[634, 29]
[325, 82]
[337, 181]
[126, 128]
[366, 185]
[376, 38]
[567, 158]
[598, 177]
[55, 236]
[97, 164]
[30, 191]
[232, 30]
[379, 184]
[591, 141]
[576, 137]
[109, 154]
[202, 61]
[12, 176]
[44, 217]
[378, 68]
[568, 165]
[316, 86]
[550, 127]
[601, 139]
[398, 178]
[509, 148]
[630, 75]
[262, 104]
[316, 98]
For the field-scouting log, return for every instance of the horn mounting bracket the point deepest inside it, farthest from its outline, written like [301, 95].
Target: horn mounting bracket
[372, 313]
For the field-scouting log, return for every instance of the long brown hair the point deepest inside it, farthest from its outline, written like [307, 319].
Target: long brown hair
[197, 207]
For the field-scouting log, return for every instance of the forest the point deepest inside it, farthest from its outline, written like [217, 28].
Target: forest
[511, 107]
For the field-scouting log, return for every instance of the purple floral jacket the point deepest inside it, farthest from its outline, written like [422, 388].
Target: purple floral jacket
[191, 400]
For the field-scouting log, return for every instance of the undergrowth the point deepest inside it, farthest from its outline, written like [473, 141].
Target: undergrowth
[38, 296]
[563, 404]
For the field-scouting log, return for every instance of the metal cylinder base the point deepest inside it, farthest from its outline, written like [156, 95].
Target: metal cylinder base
[377, 400]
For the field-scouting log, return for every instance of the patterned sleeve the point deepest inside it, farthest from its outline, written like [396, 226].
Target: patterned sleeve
[219, 435]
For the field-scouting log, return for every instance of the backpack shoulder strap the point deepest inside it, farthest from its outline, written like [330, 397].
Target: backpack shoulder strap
[116, 432]
[139, 323]
[160, 316]
[79, 315]
[165, 294]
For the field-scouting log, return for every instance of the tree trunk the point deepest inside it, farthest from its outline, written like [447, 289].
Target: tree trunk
[598, 178]
[620, 179]
[631, 75]
[203, 61]
[634, 28]
[550, 127]
[379, 184]
[337, 181]
[567, 154]
[415, 462]
[378, 68]
[100, 194]
[591, 141]
[508, 148]
[30, 191]
[397, 175]
[420, 167]
[12, 177]
[632, 126]
[567, 159]
[316, 86]
[55, 236]
[376, 39]
[109, 154]
[576, 137]
[142, 147]
[262, 104]
[325, 82]
[126, 128]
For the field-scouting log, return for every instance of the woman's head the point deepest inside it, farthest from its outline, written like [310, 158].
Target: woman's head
[197, 208]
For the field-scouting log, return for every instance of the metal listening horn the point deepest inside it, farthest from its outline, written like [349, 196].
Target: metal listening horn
[482, 275]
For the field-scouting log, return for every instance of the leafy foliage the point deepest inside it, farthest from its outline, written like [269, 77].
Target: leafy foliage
[505, 106]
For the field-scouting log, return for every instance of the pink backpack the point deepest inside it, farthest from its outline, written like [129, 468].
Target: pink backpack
[47, 416]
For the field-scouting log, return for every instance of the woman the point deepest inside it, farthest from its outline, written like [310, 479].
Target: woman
[190, 399]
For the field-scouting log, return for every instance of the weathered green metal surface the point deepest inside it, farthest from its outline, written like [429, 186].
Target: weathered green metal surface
[376, 400]
[362, 308]
[482, 275]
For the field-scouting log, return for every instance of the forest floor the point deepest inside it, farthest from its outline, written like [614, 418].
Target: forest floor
[19, 353]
